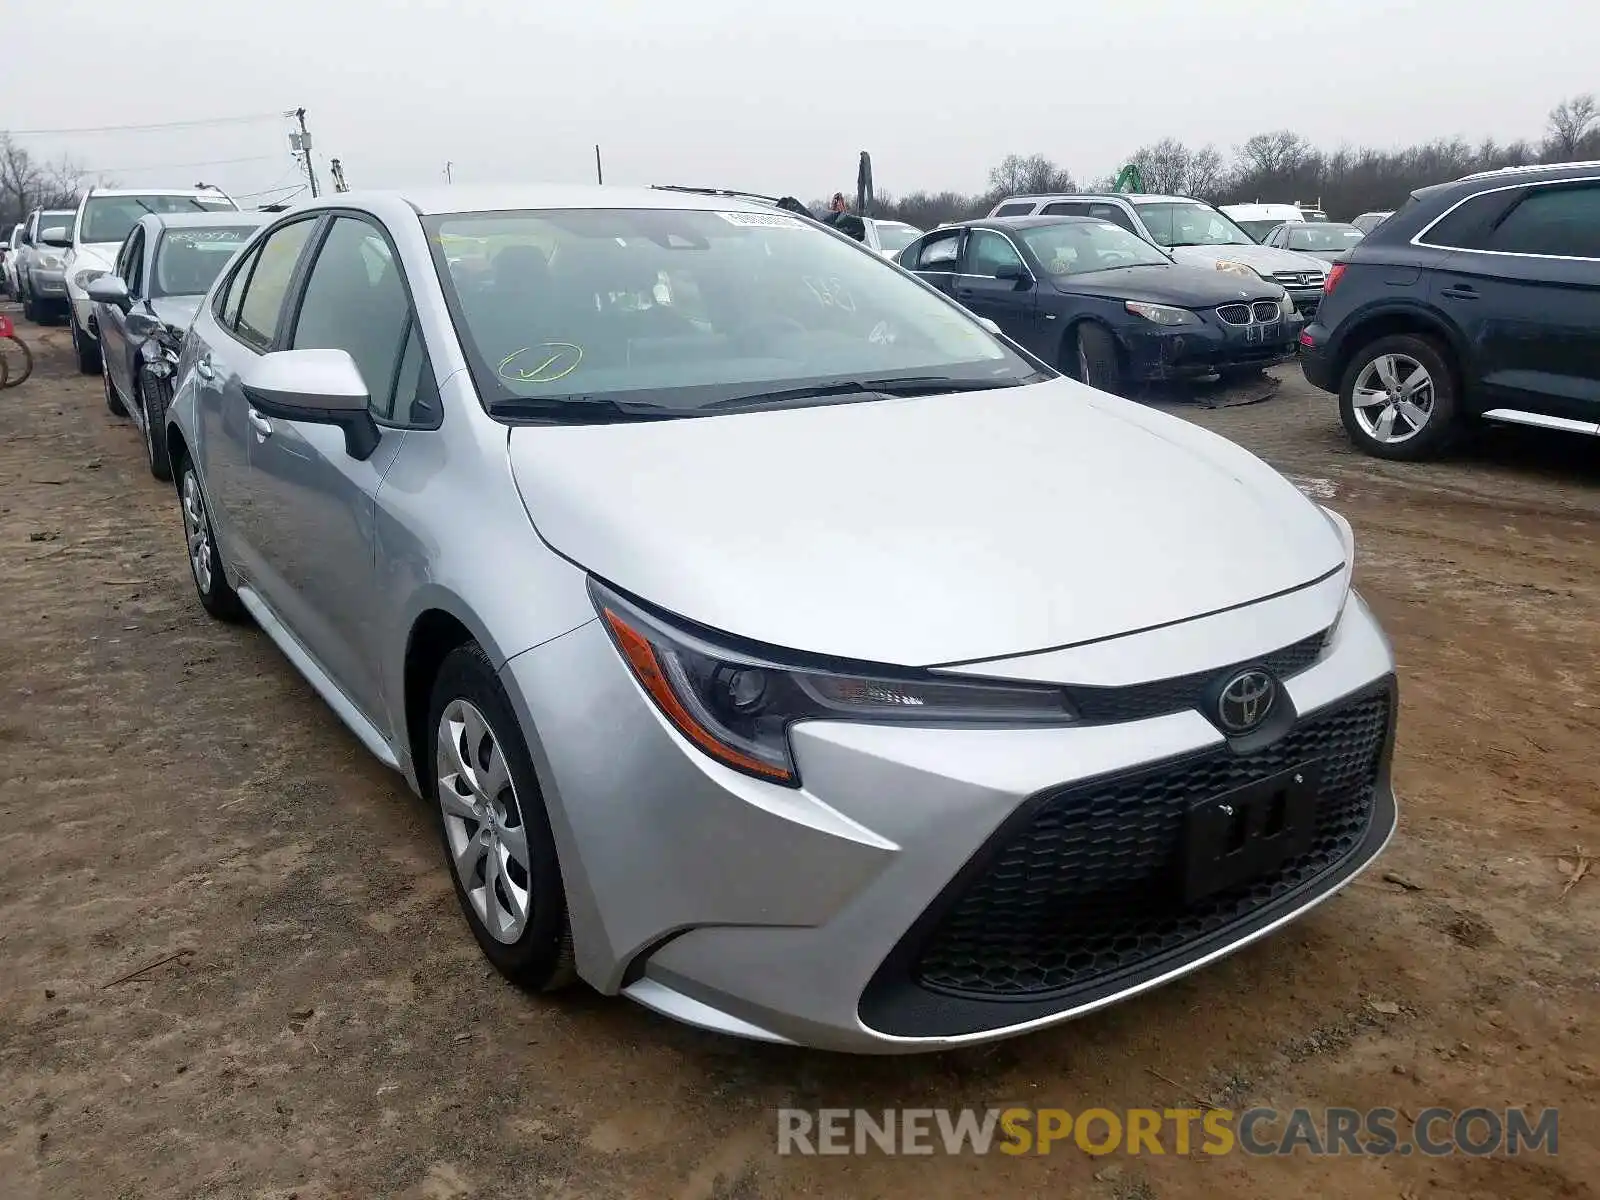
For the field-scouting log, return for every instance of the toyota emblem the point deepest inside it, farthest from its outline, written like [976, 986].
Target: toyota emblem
[1246, 701]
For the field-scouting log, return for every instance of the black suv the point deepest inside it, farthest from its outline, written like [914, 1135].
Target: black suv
[1478, 299]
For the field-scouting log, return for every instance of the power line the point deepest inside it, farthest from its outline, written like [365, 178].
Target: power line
[294, 189]
[210, 162]
[276, 116]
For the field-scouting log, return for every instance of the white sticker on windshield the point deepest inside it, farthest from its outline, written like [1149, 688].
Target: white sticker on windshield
[762, 220]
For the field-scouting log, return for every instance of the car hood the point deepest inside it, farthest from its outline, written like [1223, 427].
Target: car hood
[1265, 259]
[177, 311]
[925, 531]
[100, 255]
[1187, 286]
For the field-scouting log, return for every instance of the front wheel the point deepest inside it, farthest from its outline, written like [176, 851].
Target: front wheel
[1398, 399]
[494, 827]
[1095, 360]
[152, 397]
[29, 308]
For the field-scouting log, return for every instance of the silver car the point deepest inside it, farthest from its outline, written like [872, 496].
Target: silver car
[41, 265]
[779, 647]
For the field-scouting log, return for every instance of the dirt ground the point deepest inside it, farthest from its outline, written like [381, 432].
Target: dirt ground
[322, 1025]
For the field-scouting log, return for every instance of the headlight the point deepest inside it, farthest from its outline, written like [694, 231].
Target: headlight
[1286, 304]
[1162, 314]
[82, 279]
[1238, 268]
[738, 707]
[50, 262]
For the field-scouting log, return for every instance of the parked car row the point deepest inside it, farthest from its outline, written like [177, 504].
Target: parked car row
[449, 450]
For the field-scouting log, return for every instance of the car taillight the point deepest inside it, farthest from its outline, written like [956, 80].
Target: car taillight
[1335, 274]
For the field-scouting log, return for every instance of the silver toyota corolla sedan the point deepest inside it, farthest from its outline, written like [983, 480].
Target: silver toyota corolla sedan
[780, 648]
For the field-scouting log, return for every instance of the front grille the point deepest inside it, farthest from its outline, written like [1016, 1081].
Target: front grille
[1235, 314]
[1141, 700]
[1298, 278]
[1089, 889]
[1267, 310]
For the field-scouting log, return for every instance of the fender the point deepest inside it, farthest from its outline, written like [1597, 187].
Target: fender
[1384, 311]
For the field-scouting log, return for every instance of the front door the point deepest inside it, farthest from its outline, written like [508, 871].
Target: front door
[936, 257]
[112, 322]
[314, 506]
[994, 282]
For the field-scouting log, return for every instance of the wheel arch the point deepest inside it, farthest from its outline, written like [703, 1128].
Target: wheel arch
[1387, 320]
[1069, 342]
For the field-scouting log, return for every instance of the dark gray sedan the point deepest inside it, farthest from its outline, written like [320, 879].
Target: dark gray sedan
[143, 309]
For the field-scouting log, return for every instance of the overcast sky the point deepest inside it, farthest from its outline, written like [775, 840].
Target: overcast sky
[766, 96]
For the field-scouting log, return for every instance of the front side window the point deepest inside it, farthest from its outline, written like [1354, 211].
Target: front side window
[355, 301]
[1078, 247]
[261, 306]
[1558, 221]
[572, 311]
[991, 254]
[133, 272]
[188, 261]
[940, 253]
[112, 218]
[1182, 223]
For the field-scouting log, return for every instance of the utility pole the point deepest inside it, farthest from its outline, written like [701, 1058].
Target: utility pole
[336, 169]
[599, 176]
[302, 145]
[447, 176]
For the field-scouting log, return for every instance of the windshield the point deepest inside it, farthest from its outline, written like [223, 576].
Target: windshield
[54, 220]
[1175, 223]
[112, 218]
[1329, 238]
[894, 236]
[678, 311]
[1078, 247]
[188, 261]
[1258, 229]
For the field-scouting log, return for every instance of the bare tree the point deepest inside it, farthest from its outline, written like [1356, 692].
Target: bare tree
[1207, 173]
[1164, 166]
[1570, 123]
[1278, 153]
[1029, 175]
[26, 183]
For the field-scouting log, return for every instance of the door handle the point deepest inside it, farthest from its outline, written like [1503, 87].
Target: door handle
[1460, 291]
[202, 367]
[260, 424]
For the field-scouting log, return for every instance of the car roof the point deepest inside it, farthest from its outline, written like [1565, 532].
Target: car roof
[1510, 176]
[1032, 222]
[97, 192]
[458, 198]
[1131, 197]
[226, 220]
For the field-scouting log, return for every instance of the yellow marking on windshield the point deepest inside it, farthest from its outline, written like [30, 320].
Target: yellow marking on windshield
[545, 372]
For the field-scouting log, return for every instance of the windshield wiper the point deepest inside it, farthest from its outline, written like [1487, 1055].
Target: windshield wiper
[579, 410]
[888, 386]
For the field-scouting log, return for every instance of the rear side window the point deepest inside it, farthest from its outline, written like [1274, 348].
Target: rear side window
[1466, 227]
[939, 253]
[261, 309]
[1019, 208]
[1064, 208]
[1558, 221]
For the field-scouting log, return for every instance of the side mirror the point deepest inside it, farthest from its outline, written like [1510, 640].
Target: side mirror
[109, 289]
[320, 387]
[1014, 272]
[57, 235]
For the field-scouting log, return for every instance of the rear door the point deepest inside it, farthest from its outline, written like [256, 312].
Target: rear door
[989, 285]
[245, 324]
[1525, 284]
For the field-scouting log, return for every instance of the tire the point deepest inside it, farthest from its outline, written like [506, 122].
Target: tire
[113, 401]
[151, 396]
[29, 308]
[480, 779]
[1388, 426]
[88, 352]
[205, 564]
[1095, 361]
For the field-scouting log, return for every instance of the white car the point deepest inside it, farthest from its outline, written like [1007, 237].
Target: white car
[888, 238]
[13, 252]
[1258, 220]
[103, 221]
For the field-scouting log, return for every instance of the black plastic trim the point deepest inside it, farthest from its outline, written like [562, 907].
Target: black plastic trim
[894, 1004]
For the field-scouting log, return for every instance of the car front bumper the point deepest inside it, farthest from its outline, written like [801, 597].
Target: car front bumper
[1306, 301]
[1157, 353]
[869, 910]
[47, 285]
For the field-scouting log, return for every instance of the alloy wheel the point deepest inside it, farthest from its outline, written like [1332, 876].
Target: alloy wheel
[197, 531]
[483, 821]
[1393, 398]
